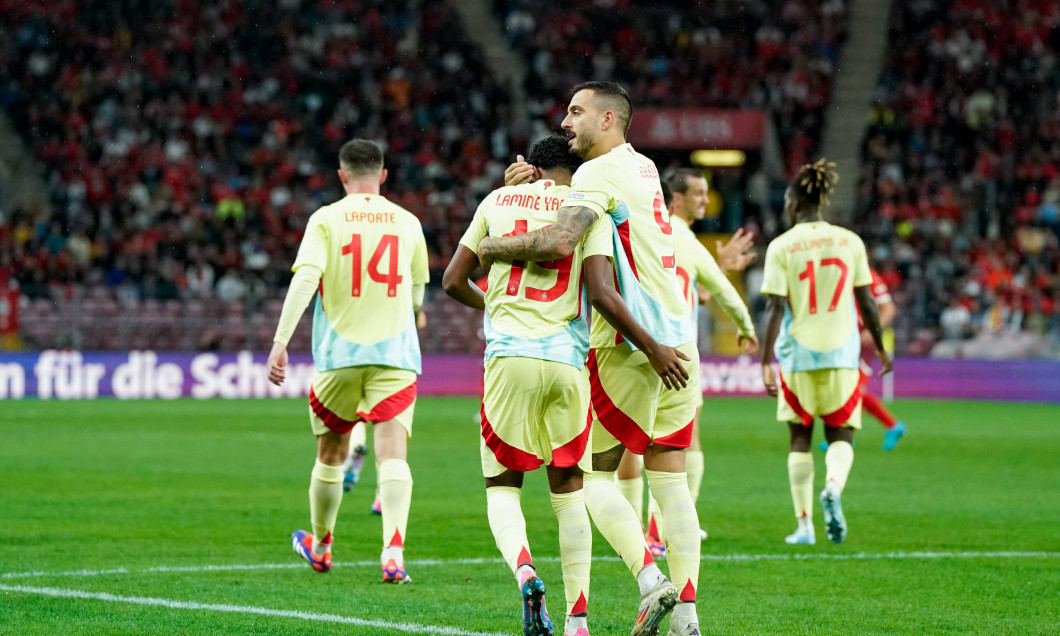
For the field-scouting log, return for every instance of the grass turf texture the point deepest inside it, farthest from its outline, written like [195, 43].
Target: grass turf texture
[135, 485]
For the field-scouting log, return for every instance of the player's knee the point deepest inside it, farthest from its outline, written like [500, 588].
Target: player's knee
[608, 460]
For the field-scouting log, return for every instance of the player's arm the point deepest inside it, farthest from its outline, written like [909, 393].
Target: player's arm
[666, 361]
[725, 294]
[887, 313]
[870, 314]
[455, 280]
[304, 284]
[554, 242]
[774, 315]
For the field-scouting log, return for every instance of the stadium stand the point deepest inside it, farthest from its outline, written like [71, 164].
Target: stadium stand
[178, 194]
[775, 55]
[961, 177]
[172, 181]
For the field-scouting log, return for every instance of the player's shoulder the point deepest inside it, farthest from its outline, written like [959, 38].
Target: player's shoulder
[846, 233]
[401, 214]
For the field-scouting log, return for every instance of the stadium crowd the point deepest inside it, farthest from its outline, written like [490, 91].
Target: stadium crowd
[960, 189]
[171, 180]
[173, 183]
[774, 55]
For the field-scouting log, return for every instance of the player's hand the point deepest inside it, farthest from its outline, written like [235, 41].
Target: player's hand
[277, 363]
[749, 343]
[519, 172]
[769, 380]
[421, 319]
[667, 363]
[734, 256]
[885, 360]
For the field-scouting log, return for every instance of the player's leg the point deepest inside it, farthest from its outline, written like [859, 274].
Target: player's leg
[694, 463]
[625, 393]
[508, 525]
[631, 481]
[575, 544]
[351, 468]
[506, 451]
[615, 519]
[565, 430]
[664, 464]
[800, 478]
[796, 406]
[389, 404]
[841, 417]
[894, 429]
[694, 469]
[332, 413]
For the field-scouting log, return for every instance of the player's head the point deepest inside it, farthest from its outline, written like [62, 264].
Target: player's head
[551, 156]
[597, 118]
[361, 166]
[809, 190]
[690, 193]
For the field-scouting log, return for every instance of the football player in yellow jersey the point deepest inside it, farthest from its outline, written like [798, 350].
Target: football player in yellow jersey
[816, 279]
[686, 194]
[366, 260]
[536, 389]
[639, 397]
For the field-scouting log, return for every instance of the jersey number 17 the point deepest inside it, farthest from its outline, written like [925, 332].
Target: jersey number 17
[809, 274]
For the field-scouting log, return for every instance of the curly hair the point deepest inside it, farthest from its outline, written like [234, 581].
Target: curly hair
[552, 152]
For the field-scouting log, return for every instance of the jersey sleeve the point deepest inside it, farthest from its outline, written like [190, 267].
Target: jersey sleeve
[708, 272]
[314, 248]
[588, 188]
[775, 276]
[478, 228]
[862, 272]
[597, 241]
[420, 266]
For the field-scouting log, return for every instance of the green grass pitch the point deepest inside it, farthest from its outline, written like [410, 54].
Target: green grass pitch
[117, 509]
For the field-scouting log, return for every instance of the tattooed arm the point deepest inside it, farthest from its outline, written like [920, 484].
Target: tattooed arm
[550, 243]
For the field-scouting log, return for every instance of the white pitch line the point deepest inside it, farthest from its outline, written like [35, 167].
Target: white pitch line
[243, 609]
[824, 556]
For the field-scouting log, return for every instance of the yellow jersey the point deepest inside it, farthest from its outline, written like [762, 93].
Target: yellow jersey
[695, 264]
[535, 310]
[624, 185]
[816, 266]
[372, 252]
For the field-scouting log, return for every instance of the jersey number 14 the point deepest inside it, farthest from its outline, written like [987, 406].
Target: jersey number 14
[387, 245]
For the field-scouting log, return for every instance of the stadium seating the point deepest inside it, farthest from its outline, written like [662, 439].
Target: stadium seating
[156, 162]
[961, 179]
[776, 55]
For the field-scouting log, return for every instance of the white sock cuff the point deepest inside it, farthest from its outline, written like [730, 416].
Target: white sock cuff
[394, 470]
[327, 474]
[567, 500]
[607, 475]
[658, 479]
[504, 492]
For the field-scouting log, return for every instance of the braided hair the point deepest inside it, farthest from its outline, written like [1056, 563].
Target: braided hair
[815, 182]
